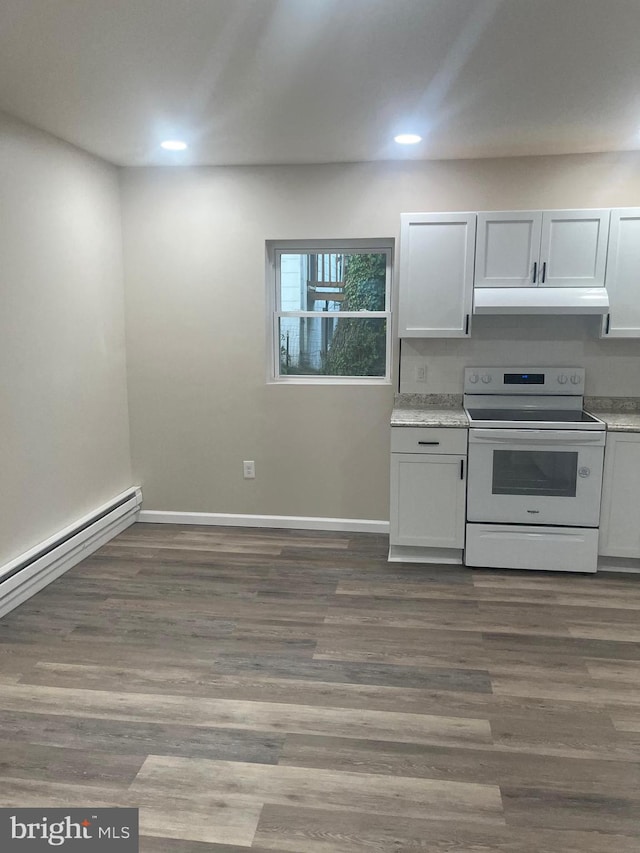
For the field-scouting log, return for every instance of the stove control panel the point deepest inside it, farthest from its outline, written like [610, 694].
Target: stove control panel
[524, 380]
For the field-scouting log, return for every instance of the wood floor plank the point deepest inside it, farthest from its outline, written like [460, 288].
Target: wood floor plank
[583, 647]
[175, 845]
[38, 760]
[359, 672]
[188, 538]
[390, 616]
[324, 831]
[304, 787]
[627, 725]
[462, 764]
[409, 646]
[228, 713]
[627, 672]
[213, 819]
[620, 632]
[565, 729]
[103, 739]
[546, 807]
[569, 690]
[558, 581]
[234, 608]
[198, 679]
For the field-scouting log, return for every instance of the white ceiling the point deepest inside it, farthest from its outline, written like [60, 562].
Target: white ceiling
[317, 81]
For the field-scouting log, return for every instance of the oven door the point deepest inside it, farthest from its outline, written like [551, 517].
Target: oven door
[533, 476]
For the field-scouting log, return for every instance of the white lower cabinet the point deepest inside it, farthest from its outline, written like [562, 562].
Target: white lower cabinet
[428, 486]
[620, 515]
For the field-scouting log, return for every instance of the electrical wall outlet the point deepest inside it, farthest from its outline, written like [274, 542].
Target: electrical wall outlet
[421, 373]
[249, 469]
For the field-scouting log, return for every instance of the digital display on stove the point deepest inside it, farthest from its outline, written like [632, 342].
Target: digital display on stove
[524, 378]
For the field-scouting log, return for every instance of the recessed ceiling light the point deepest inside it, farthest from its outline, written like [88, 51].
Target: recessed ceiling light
[173, 145]
[407, 138]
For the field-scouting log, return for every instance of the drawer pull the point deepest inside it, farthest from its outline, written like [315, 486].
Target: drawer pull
[429, 442]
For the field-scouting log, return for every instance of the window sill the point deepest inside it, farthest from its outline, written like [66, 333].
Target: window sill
[330, 380]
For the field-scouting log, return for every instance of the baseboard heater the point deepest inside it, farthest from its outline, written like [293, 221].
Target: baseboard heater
[33, 570]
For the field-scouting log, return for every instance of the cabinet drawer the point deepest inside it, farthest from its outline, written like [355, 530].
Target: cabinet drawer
[429, 440]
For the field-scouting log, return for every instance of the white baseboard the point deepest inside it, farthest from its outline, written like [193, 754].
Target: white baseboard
[291, 522]
[30, 572]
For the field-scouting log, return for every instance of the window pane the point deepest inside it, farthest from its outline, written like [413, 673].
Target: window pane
[330, 281]
[330, 346]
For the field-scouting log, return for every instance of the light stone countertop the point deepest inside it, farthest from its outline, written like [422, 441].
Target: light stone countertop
[429, 417]
[429, 410]
[620, 414]
[620, 421]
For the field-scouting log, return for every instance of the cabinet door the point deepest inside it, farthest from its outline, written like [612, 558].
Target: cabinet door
[620, 518]
[427, 500]
[623, 275]
[436, 274]
[508, 246]
[573, 250]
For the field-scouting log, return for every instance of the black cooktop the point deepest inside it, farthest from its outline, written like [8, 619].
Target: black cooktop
[544, 415]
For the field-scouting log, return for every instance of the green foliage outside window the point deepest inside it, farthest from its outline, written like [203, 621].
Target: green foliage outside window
[358, 346]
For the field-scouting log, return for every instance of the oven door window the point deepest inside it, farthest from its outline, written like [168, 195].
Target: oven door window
[535, 472]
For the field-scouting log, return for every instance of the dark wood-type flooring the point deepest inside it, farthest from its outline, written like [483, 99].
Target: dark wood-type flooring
[294, 691]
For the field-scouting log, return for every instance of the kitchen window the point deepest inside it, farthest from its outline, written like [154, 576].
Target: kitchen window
[330, 311]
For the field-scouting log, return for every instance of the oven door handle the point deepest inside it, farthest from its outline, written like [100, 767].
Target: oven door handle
[536, 436]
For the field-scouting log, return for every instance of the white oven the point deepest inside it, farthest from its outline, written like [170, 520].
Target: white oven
[535, 476]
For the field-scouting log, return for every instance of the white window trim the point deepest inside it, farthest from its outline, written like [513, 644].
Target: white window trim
[274, 250]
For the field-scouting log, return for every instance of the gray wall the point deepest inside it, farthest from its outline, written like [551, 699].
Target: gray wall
[64, 444]
[195, 285]
[195, 270]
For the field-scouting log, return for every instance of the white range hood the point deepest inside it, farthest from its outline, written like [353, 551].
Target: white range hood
[540, 300]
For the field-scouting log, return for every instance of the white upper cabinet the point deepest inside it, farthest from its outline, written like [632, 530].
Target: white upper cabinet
[436, 274]
[573, 248]
[557, 248]
[508, 247]
[623, 275]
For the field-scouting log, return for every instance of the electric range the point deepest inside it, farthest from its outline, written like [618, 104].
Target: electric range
[534, 470]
